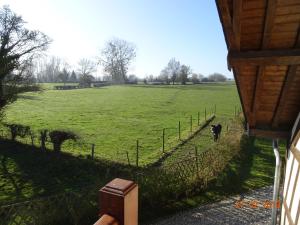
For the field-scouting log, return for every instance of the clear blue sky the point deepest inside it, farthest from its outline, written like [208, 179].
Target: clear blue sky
[188, 30]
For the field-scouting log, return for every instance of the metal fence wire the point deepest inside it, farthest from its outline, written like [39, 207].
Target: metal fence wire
[162, 140]
[66, 208]
[167, 181]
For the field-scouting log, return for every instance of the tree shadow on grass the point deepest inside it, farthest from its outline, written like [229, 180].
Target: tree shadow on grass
[252, 168]
[29, 97]
[202, 86]
[27, 172]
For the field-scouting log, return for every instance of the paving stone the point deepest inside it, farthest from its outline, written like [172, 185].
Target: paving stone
[227, 212]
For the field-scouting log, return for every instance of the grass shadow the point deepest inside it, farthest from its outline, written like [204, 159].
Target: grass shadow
[202, 86]
[27, 172]
[28, 97]
[252, 168]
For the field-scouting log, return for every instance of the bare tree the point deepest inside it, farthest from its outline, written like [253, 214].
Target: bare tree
[52, 69]
[133, 79]
[171, 71]
[64, 76]
[73, 77]
[195, 78]
[116, 57]
[164, 76]
[86, 67]
[200, 76]
[184, 72]
[217, 77]
[18, 46]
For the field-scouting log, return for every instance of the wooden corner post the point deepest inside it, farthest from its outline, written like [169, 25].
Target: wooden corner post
[119, 200]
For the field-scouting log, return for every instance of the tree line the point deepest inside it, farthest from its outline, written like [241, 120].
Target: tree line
[55, 69]
[175, 72]
[21, 64]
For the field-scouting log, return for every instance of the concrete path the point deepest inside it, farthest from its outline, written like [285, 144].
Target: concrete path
[252, 208]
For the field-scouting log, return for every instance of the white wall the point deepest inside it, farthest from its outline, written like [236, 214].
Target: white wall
[291, 194]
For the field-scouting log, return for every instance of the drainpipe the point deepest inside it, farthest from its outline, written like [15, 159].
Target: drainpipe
[276, 181]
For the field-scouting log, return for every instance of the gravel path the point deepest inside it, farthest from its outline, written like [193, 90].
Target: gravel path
[227, 211]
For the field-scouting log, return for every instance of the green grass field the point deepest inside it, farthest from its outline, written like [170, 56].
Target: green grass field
[114, 117]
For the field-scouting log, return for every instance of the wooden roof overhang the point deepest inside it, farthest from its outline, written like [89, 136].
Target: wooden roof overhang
[263, 42]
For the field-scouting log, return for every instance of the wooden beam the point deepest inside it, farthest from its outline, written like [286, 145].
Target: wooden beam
[227, 20]
[289, 80]
[268, 26]
[269, 21]
[257, 93]
[273, 134]
[236, 22]
[265, 57]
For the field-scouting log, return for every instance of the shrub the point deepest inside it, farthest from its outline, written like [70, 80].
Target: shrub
[18, 130]
[57, 138]
[43, 139]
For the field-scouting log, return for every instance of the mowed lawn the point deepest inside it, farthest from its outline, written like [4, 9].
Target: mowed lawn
[114, 117]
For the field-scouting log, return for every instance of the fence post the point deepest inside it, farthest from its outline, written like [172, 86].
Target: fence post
[205, 113]
[196, 154]
[163, 141]
[32, 140]
[137, 153]
[93, 150]
[179, 130]
[118, 201]
[127, 158]
[191, 124]
[198, 118]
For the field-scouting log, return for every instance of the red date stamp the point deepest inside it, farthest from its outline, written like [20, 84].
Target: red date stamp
[255, 204]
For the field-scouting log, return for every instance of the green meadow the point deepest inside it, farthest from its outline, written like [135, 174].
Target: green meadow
[115, 117]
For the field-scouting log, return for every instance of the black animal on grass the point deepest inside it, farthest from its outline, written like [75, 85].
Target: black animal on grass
[216, 131]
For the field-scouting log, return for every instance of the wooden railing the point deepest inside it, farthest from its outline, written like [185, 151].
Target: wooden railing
[118, 202]
[107, 220]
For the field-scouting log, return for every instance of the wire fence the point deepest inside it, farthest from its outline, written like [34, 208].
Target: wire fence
[157, 142]
[65, 208]
[158, 185]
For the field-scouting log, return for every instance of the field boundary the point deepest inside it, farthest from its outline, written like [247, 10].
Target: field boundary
[184, 141]
[158, 186]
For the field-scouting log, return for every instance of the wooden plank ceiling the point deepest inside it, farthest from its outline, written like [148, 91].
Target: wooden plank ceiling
[263, 44]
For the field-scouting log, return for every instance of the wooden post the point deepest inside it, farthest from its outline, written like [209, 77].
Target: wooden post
[93, 150]
[198, 118]
[196, 155]
[191, 124]
[107, 220]
[127, 158]
[119, 203]
[137, 153]
[163, 141]
[32, 139]
[179, 131]
[205, 114]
